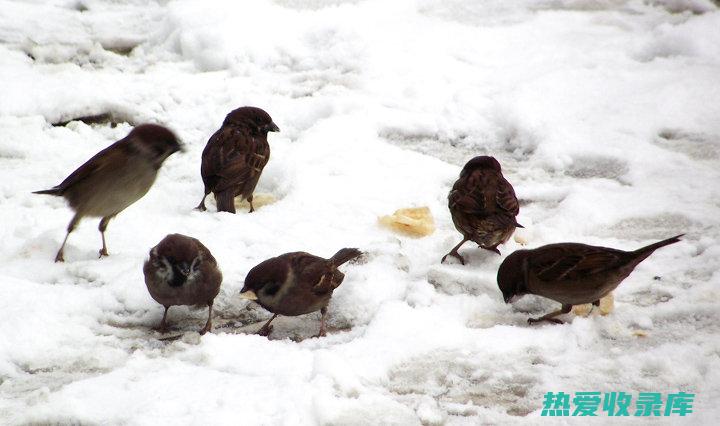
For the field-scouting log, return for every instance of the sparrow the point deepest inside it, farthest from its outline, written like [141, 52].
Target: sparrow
[115, 177]
[235, 156]
[295, 284]
[569, 273]
[181, 271]
[483, 206]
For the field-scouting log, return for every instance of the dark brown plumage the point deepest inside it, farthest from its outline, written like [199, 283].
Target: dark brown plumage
[181, 271]
[295, 284]
[569, 273]
[235, 156]
[115, 177]
[483, 206]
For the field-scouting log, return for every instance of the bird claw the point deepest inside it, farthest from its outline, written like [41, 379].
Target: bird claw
[552, 320]
[201, 208]
[162, 329]
[59, 258]
[103, 253]
[455, 255]
[204, 330]
[265, 331]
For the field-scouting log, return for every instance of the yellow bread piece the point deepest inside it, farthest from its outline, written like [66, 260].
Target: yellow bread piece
[417, 222]
[606, 306]
[259, 200]
[520, 239]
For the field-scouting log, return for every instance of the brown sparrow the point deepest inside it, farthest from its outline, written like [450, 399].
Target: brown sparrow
[483, 206]
[235, 156]
[295, 284]
[569, 273]
[181, 271]
[115, 177]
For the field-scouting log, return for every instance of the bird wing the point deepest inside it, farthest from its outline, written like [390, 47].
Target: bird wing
[558, 262]
[316, 272]
[231, 158]
[112, 156]
[505, 198]
[482, 202]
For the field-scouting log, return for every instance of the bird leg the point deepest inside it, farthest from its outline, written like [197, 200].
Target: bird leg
[266, 329]
[208, 324]
[252, 209]
[550, 317]
[454, 252]
[162, 328]
[102, 227]
[201, 207]
[59, 257]
[323, 312]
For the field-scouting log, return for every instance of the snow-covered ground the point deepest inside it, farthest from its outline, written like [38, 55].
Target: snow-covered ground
[604, 113]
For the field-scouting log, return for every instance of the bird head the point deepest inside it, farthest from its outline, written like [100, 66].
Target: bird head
[481, 162]
[158, 142]
[256, 119]
[512, 275]
[177, 259]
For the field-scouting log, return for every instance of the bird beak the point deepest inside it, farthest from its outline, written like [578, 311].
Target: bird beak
[272, 127]
[185, 270]
[249, 295]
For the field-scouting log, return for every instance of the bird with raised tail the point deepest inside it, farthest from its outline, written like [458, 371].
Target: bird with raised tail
[182, 271]
[569, 273]
[483, 206]
[115, 177]
[235, 156]
[295, 284]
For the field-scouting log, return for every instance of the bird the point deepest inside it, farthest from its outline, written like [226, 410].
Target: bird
[182, 271]
[483, 206]
[296, 283]
[569, 273]
[115, 177]
[235, 156]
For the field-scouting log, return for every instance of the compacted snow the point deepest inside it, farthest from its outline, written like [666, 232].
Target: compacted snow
[604, 115]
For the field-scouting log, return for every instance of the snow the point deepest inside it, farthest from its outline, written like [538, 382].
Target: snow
[603, 113]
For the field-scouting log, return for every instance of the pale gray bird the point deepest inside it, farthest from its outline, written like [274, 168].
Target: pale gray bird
[115, 177]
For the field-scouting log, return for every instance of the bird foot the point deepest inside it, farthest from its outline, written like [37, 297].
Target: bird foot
[201, 207]
[103, 253]
[205, 329]
[59, 258]
[265, 330]
[552, 320]
[320, 334]
[455, 255]
[162, 329]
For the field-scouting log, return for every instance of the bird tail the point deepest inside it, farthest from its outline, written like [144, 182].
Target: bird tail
[646, 251]
[52, 191]
[345, 255]
[225, 201]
